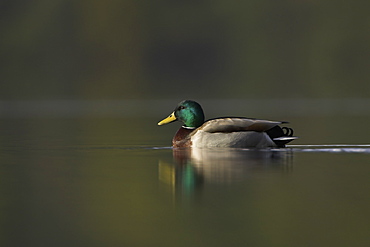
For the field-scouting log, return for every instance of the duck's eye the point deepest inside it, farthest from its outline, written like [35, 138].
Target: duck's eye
[181, 107]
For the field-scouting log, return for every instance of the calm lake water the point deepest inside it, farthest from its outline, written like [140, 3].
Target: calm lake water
[116, 182]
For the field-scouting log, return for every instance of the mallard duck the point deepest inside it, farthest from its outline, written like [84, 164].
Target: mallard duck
[234, 132]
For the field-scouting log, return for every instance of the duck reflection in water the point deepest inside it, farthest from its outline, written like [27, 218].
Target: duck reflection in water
[194, 167]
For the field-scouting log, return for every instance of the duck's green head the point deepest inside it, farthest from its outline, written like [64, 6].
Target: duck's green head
[189, 112]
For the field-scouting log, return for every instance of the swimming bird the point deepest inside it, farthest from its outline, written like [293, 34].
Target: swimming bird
[225, 132]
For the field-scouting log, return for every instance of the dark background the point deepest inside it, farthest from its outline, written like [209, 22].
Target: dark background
[184, 49]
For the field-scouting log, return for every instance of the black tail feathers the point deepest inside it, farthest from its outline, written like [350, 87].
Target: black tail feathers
[281, 135]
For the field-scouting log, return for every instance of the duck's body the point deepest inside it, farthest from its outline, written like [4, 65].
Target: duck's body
[224, 132]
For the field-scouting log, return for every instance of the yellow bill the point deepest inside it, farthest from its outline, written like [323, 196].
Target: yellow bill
[168, 119]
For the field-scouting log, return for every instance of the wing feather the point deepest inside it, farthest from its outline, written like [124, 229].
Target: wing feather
[233, 124]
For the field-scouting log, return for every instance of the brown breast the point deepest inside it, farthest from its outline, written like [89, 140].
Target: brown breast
[182, 138]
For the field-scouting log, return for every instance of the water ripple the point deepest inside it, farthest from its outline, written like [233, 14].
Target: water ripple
[337, 148]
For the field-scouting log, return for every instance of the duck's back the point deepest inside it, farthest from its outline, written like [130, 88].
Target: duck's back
[236, 132]
[235, 124]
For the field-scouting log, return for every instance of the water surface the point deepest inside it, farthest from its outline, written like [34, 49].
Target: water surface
[116, 182]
